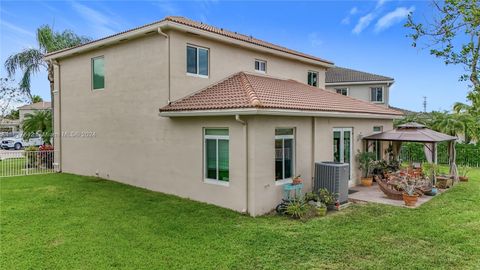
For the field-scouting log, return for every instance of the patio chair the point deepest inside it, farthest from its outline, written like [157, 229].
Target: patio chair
[388, 189]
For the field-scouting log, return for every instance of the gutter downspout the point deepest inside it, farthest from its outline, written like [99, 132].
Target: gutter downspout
[57, 92]
[313, 153]
[245, 136]
[159, 30]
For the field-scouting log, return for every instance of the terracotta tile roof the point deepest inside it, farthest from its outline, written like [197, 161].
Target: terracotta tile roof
[220, 31]
[339, 74]
[244, 90]
[43, 105]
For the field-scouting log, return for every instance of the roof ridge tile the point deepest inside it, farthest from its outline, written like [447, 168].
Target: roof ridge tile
[251, 94]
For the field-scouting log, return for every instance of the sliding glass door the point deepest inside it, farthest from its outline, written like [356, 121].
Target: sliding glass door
[342, 146]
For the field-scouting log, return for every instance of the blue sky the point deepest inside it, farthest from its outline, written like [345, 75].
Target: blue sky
[364, 35]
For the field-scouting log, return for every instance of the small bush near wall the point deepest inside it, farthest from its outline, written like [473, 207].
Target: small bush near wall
[467, 154]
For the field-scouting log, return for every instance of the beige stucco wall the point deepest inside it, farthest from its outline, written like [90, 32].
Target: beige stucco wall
[313, 143]
[117, 133]
[225, 60]
[362, 91]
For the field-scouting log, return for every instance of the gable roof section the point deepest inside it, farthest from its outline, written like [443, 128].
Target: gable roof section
[244, 90]
[200, 26]
[341, 75]
[43, 105]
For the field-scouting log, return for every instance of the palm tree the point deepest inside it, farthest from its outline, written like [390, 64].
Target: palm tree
[471, 115]
[31, 60]
[41, 122]
[451, 124]
[36, 98]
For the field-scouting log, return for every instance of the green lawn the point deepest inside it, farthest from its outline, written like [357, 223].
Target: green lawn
[62, 221]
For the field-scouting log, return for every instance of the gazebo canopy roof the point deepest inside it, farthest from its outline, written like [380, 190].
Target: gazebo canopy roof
[411, 132]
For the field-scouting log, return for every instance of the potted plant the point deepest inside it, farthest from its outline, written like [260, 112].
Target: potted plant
[410, 197]
[297, 180]
[327, 198]
[321, 209]
[464, 171]
[365, 160]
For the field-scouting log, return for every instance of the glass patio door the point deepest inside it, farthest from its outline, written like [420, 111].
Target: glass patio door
[342, 146]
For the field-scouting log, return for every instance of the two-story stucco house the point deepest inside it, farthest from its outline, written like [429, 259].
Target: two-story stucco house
[189, 109]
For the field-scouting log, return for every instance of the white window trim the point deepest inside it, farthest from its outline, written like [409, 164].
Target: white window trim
[341, 88]
[342, 154]
[259, 65]
[282, 137]
[215, 137]
[380, 131]
[383, 94]
[91, 73]
[318, 75]
[198, 75]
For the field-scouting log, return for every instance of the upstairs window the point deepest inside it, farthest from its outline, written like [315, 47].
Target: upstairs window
[376, 94]
[342, 91]
[98, 73]
[313, 78]
[261, 66]
[197, 61]
[216, 148]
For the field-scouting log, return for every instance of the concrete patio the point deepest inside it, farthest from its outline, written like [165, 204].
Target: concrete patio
[375, 195]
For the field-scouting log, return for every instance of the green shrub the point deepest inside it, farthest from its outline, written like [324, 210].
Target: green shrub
[297, 209]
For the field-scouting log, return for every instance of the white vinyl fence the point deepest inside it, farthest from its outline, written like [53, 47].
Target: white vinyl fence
[16, 163]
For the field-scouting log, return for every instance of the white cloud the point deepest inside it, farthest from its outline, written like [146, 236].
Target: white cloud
[363, 23]
[392, 18]
[380, 3]
[17, 29]
[353, 11]
[101, 23]
[167, 7]
[314, 39]
[345, 20]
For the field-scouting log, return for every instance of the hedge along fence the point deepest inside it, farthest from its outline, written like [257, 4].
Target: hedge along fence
[467, 154]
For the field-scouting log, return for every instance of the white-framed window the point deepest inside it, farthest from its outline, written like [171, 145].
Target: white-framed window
[98, 73]
[342, 91]
[216, 156]
[376, 94]
[312, 78]
[197, 61]
[261, 66]
[284, 155]
[377, 128]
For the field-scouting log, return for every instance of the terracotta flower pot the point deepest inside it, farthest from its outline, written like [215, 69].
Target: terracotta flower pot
[297, 181]
[463, 178]
[367, 182]
[410, 200]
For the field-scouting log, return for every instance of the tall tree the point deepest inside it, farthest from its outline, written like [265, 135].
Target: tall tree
[453, 34]
[31, 61]
[9, 96]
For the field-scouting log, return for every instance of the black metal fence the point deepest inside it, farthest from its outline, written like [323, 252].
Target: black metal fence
[467, 154]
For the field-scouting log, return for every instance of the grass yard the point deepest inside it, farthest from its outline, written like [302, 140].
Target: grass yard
[62, 221]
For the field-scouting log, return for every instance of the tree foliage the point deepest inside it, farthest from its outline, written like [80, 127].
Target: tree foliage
[453, 34]
[40, 122]
[9, 95]
[30, 61]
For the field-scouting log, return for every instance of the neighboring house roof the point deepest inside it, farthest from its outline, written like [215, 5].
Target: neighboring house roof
[342, 75]
[44, 105]
[201, 26]
[404, 111]
[243, 90]
[9, 122]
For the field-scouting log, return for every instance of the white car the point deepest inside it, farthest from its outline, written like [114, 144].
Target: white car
[17, 142]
